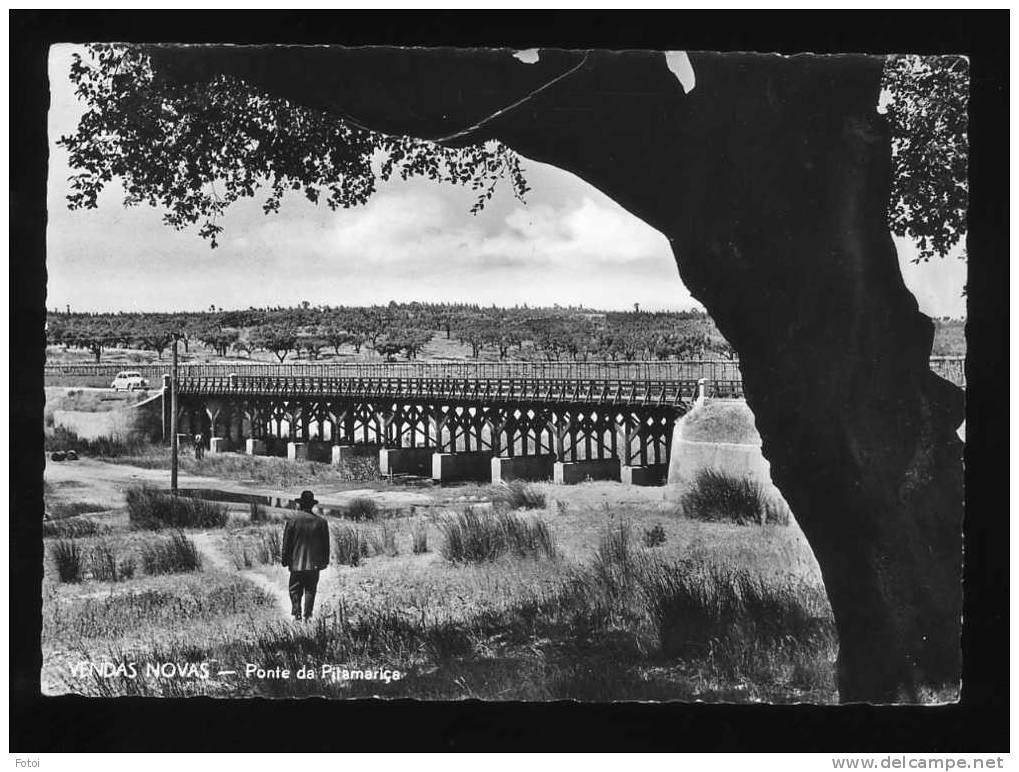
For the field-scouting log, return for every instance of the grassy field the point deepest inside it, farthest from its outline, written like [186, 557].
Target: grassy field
[596, 591]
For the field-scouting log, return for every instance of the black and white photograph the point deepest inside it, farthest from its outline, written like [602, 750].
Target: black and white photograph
[504, 374]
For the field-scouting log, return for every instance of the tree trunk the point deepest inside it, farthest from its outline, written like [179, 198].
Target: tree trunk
[789, 250]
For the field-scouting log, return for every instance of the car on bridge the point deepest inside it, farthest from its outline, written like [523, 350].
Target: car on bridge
[129, 380]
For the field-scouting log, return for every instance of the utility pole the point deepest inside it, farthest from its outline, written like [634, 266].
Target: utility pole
[173, 420]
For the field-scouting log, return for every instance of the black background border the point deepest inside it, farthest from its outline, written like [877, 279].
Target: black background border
[978, 723]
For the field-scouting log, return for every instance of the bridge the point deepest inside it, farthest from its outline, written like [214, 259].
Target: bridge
[566, 421]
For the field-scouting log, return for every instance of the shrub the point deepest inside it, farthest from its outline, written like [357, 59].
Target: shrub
[103, 564]
[419, 537]
[389, 540]
[654, 537]
[719, 497]
[473, 537]
[64, 439]
[361, 508]
[517, 494]
[349, 546]
[66, 556]
[361, 468]
[152, 509]
[126, 568]
[173, 555]
[73, 528]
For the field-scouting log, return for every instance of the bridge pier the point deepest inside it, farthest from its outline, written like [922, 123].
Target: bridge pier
[406, 461]
[462, 467]
[573, 472]
[254, 447]
[536, 468]
[308, 450]
[218, 445]
[652, 474]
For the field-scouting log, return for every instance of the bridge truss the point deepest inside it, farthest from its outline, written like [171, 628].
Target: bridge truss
[572, 419]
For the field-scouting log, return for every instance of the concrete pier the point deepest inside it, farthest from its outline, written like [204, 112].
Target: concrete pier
[461, 467]
[653, 474]
[573, 472]
[297, 451]
[254, 447]
[218, 445]
[318, 450]
[406, 461]
[522, 468]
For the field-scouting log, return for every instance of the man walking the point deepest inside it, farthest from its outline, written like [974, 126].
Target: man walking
[305, 552]
[199, 447]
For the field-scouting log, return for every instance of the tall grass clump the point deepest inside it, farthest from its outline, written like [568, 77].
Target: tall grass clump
[175, 554]
[151, 509]
[696, 605]
[362, 508]
[73, 528]
[270, 546]
[720, 497]
[64, 439]
[349, 546]
[419, 538]
[103, 563]
[476, 537]
[64, 509]
[383, 541]
[67, 558]
[517, 494]
[612, 573]
[258, 513]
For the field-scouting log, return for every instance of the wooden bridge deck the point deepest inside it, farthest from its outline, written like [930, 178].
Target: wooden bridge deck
[465, 391]
[724, 373]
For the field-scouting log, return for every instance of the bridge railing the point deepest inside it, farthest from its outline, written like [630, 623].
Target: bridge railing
[716, 371]
[600, 370]
[479, 390]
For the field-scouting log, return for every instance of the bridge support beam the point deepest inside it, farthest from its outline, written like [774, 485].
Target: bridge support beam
[462, 467]
[406, 461]
[522, 468]
[297, 451]
[653, 474]
[254, 447]
[573, 472]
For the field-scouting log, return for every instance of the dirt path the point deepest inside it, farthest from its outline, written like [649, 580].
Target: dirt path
[215, 557]
[104, 483]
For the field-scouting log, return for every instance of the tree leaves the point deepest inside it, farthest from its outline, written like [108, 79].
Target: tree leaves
[195, 149]
[927, 103]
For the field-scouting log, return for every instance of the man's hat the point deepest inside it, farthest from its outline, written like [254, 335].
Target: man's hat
[307, 498]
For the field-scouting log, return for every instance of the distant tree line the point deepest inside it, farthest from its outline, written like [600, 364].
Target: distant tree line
[400, 330]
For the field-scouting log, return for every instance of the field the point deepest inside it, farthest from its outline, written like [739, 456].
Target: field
[596, 591]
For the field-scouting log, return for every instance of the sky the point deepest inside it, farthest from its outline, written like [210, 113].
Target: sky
[568, 244]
